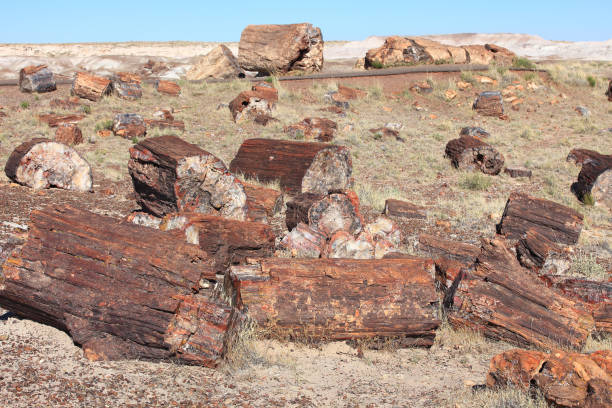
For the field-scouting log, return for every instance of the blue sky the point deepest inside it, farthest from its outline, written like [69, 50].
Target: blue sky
[53, 21]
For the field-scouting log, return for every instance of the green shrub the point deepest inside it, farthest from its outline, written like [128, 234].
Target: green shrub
[86, 109]
[475, 182]
[592, 81]
[588, 199]
[523, 62]
[104, 125]
[24, 105]
[376, 64]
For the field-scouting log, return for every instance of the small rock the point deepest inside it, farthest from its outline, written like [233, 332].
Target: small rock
[582, 111]
[516, 172]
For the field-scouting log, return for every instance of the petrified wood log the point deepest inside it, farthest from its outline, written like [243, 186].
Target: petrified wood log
[533, 249]
[168, 88]
[556, 222]
[468, 152]
[340, 298]
[273, 48]
[69, 133]
[345, 245]
[320, 129]
[42, 163]
[304, 241]
[227, 242]
[55, 120]
[516, 172]
[129, 125]
[171, 175]
[582, 156]
[566, 380]
[126, 85]
[489, 104]
[601, 191]
[504, 301]
[404, 209]
[253, 104]
[336, 212]
[609, 91]
[90, 87]
[36, 78]
[263, 203]
[119, 290]
[297, 208]
[300, 167]
[589, 175]
[460, 251]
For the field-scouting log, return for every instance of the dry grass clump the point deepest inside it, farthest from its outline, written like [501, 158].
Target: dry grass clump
[509, 397]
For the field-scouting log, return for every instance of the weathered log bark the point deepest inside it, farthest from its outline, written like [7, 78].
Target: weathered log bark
[297, 208]
[300, 167]
[489, 104]
[55, 120]
[36, 79]
[566, 380]
[460, 251]
[588, 176]
[165, 124]
[468, 152]
[69, 134]
[90, 87]
[171, 175]
[168, 88]
[533, 249]
[119, 290]
[320, 129]
[129, 125]
[403, 209]
[41, 163]
[253, 104]
[272, 48]
[504, 301]
[582, 156]
[340, 298]
[556, 222]
[227, 242]
[262, 203]
[127, 86]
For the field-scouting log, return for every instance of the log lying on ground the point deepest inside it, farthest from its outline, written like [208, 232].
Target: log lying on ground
[273, 48]
[41, 163]
[609, 91]
[489, 104]
[460, 251]
[127, 86]
[566, 380]
[336, 212]
[119, 290]
[167, 88]
[227, 242]
[36, 78]
[262, 203]
[590, 173]
[601, 191]
[506, 302]
[404, 209]
[533, 249]
[468, 152]
[340, 298]
[583, 156]
[556, 222]
[253, 104]
[129, 125]
[171, 175]
[90, 87]
[320, 129]
[300, 167]
[55, 120]
[69, 133]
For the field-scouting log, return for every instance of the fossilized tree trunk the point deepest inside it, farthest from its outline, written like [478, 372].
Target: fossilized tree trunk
[468, 152]
[90, 87]
[36, 79]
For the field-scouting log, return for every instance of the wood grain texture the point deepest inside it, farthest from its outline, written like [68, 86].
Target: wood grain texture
[468, 152]
[90, 87]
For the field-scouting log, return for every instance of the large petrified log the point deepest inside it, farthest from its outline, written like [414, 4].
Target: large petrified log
[566, 380]
[218, 63]
[227, 242]
[90, 87]
[320, 129]
[119, 290]
[460, 251]
[556, 222]
[171, 175]
[127, 86]
[36, 78]
[41, 163]
[412, 50]
[503, 301]
[129, 125]
[301, 167]
[340, 298]
[272, 48]
[468, 152]
[489, 103]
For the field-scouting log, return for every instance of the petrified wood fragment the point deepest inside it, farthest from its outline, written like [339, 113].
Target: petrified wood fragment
[90, 87]
[167, 87]
[301, 167]
[404, 209]
[556, 222]
[340, 298]
[468, 152]
[129, 125]
[119, 290]
[69, 133]
[36, 78]
[41, 163]
[489, 104]
[170, 174]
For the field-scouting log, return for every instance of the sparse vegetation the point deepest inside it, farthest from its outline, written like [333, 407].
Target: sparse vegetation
[376, 64]
[475, 181]
[86, 109]
[104, 125]
[585, 265]
[24, 105]
[592, 81]
[523, 62]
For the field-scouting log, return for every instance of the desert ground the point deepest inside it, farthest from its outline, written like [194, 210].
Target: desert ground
[42, 367]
